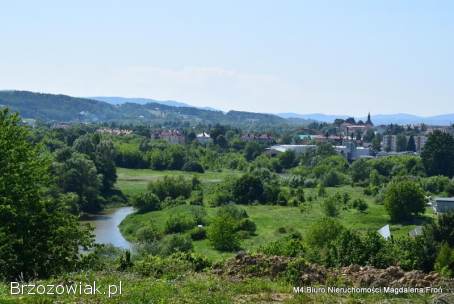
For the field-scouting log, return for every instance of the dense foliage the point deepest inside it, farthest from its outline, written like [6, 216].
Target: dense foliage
[38, 235]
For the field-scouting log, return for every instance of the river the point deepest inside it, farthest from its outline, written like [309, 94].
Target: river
[106, 226]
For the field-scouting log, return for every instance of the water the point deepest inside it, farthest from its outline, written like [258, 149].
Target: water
[106, 226]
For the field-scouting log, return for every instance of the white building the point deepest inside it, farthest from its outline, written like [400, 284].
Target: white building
[204, 138]
[298, 149]
[349, 151]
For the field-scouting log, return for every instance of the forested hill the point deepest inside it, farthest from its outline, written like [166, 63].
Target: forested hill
[63, 108]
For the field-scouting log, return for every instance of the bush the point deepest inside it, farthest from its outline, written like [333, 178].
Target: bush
[403, 199]
[436, 184]
[175, 243]
[198, 233]
[310, 183]
[291, 246]
[444, 264]
[360, 205]
[247, 189]
[193, 166]
[233, 211]
[321, 191]
[198, 261]
[103, 257]
[294, 270]
[146, 202]
[322, 232]
[329, 206]
[179, 223]
[172, 187]
[158, 267]
[196, 198]
[222, 232]
[247, 225]
[332, 179]
[148, 234]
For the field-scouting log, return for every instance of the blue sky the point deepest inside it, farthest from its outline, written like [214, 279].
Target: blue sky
[336, 57]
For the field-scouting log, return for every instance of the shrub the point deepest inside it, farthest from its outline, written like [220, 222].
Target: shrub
[146, 202]
[222, 232]
[332, 179]
[329, 206]
[247, 225]
[169, 202]
[435, 184]
[403, 199]
[444, 264]
[321, 191]
[310, 183]
[282, 230]
[103, 257]
[175, 243]
[360, 205]
[291, 246]
[158, 267]
[172, 187]
[450, 189]
[193, 166]
[196, 198]
[233, 211]
[322, 232]
[294, 270]
[247, 189]
[198, 261]
[148, 234]
[198, 233]
[179, 223]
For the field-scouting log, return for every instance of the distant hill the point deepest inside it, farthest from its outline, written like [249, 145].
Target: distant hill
[314, 117]
[63, 108]
[143, 101]
[379, 119]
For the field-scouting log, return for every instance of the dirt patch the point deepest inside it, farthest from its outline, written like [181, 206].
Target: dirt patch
[244, 265]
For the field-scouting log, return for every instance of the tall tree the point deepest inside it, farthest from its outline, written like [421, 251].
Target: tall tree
[38, 236]
[401, 143]
[438, 154]
[404, 199]
[411, 145]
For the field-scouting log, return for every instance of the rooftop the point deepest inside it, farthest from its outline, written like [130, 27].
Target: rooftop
[445, 199]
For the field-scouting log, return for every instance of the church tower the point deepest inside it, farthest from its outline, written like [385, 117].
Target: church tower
[369, 121]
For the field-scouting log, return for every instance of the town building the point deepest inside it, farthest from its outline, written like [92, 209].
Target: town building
[420, 142]
[349, 150]
[389, 143]
[61, 125]
[114, 131]
[298, 149]
[262, 138]
[443, 204]
[310, 139]
[171, 136]
[204, 138]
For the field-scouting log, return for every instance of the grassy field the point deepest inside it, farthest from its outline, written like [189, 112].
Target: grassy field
[195, 288]
[134, 181]
[268, 218]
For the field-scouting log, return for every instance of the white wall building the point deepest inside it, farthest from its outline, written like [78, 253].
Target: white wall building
[204, 138]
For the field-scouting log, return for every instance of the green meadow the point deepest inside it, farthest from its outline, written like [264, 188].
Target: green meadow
[269, 219]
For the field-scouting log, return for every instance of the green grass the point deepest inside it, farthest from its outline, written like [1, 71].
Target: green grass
[269, 218]
[196, 288]
[134, 181]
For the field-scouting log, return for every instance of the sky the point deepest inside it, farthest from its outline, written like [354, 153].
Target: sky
[333, 57]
